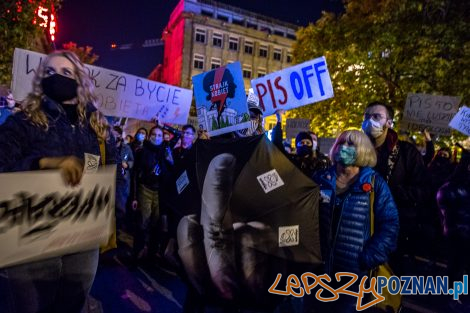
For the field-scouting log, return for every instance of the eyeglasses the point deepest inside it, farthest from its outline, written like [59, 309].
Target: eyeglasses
[375, 116]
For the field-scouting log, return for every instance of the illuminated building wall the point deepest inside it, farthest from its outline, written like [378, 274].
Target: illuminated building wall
[202, 35]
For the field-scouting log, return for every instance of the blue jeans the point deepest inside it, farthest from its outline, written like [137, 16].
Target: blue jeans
[59, 284]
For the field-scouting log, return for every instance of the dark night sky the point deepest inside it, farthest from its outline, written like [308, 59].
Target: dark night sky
[98, 23]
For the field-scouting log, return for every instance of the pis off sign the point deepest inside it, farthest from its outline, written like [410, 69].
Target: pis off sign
[293, 87]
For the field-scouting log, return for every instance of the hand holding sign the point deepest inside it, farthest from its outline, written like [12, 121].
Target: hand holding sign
[70, 166]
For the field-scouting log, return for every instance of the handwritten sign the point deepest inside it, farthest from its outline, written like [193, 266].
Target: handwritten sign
[427, 111]
[325, 144]
[293, 87]
[47, 219]
[461, 121]
[221, 100]
[119, 94]
[296, 125]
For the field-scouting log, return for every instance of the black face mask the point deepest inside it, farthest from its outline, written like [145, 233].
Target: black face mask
[59, 88]
[304, 151]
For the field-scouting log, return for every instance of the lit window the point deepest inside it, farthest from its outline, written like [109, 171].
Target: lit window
[198, 61]
[215, 63]
[263, 51]
[200, 35]
[277, 54]
[217, 40]
[233, 44]
[248, 47]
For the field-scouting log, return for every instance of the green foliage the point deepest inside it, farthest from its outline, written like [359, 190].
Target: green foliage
[381, 50]
[17, 30]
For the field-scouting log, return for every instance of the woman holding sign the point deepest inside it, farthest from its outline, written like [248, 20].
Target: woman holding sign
[57, 126]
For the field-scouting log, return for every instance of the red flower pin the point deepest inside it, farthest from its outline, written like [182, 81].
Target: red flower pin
[366, 187]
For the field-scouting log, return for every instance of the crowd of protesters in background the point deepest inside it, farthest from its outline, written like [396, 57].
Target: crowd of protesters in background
[417, 195]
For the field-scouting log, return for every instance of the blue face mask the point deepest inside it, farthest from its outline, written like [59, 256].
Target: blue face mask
[140, 137]
[346, 155]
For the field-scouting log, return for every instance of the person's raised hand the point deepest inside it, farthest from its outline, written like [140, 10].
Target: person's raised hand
[279, 113]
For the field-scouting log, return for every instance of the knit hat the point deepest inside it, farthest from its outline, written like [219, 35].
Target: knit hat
[301, 136]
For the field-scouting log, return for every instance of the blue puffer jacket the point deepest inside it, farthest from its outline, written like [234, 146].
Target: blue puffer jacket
[23, 144]
[350, 248]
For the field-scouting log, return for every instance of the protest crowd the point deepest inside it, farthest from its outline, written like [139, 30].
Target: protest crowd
[373, 199]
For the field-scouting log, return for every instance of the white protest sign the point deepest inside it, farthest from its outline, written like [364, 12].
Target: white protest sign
[427, 111]
[293, 87]
[119, 94]
[40, 217]
[461, 121]
[296, 125]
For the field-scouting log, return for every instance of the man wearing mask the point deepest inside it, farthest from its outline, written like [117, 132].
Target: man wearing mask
[402, 167]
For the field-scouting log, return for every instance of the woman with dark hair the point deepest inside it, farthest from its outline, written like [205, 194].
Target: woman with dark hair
[57, 126]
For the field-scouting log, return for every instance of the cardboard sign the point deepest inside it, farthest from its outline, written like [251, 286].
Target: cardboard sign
[296, 125]
[293, 87]
[432, 112]
[221, 100]
[461, 121]
[119, 94]
[40, 217]
[325, 144]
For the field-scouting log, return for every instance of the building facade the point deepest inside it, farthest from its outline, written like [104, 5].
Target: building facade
[202, 35]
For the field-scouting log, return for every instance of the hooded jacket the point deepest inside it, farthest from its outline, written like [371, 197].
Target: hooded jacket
[348, 246]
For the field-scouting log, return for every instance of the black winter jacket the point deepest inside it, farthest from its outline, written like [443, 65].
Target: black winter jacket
[23, 144]
[408, 181]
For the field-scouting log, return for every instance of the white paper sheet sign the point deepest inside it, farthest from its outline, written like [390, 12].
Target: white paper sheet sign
[40, 217]
[294, 86]
[461, 121]
[119, 94]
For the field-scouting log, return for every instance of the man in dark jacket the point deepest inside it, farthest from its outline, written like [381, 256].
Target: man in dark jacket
[402, 167]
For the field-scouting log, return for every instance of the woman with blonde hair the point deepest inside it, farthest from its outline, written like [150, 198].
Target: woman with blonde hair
[345, 204]
[57, 126]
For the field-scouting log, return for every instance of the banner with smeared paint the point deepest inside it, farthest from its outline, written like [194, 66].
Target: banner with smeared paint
[38, 221]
